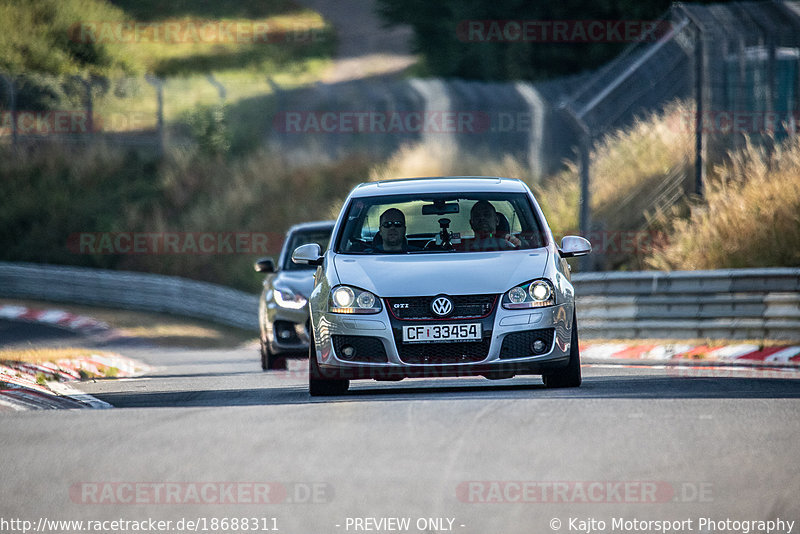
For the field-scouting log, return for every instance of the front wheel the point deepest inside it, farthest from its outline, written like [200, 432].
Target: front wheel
[570, 376]
[269, 360]
[264, 355]
[318, 384]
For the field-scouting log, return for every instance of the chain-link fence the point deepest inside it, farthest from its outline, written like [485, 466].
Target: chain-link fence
[735, 67]
[143, 111]
[39, 108]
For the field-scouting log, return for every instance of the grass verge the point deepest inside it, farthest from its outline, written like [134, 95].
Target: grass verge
[750, 216]
[45, 354]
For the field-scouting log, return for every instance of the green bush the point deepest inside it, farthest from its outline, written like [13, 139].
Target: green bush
[209, 128]
[38, 36]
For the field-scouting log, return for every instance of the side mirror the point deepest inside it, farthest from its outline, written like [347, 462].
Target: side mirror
[573, 245]
[309, 254]
[264, 265]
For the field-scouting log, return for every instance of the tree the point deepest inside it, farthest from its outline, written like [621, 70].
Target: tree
[450, 51]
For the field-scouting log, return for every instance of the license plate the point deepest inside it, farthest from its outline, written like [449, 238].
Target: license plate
[442, 333]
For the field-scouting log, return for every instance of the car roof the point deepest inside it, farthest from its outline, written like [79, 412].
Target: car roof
[311, 226]
[440, 184]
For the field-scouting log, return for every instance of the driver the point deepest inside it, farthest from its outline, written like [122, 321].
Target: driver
[392, 231]
[483, 220]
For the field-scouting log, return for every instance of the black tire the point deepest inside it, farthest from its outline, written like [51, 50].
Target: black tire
[570, 376]
[270, 361]
[264, 355]
[318, 384]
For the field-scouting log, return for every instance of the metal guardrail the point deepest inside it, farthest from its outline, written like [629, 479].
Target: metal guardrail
[130, 291]
[722, 304]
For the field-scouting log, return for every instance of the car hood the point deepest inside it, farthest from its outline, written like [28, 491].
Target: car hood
[450, 273]
[301, 282]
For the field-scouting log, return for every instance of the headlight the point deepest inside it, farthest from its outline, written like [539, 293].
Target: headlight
[539, 291]
[345, 299]
[366, 300]
[536, 294]
[287, 299]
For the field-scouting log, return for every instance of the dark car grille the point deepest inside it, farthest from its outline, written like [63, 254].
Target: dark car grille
[368, 349]
[518, 344]
[419, 308]
[441, 353]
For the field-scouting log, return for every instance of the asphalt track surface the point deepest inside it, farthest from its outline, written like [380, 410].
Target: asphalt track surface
[637, 443]
[21, 333]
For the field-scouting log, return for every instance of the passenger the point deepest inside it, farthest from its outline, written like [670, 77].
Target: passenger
[484, 222]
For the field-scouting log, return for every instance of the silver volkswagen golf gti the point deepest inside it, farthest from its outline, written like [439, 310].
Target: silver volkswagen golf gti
[431, 277]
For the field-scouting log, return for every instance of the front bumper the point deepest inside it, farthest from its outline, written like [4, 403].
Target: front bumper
[286, 331]
[500, 356]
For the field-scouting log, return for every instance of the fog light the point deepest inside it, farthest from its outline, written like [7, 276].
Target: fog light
[348, 352]
[538, 346]
[284, 333]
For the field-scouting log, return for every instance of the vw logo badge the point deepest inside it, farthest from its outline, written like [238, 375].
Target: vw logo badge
[442, 306]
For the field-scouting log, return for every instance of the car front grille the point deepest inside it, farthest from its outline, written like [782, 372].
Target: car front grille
[419, 308]
[367, 349]
[444, 353]
[518, 344]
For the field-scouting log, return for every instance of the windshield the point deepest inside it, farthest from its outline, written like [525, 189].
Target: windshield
[304, 237]
[436, 223]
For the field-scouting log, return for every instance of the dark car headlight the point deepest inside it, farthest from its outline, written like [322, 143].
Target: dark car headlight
[346, 299]
[535, 294]
[287, 299]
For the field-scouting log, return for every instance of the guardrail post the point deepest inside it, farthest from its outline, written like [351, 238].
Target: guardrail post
[700, 144]
[586, 263]
[87, 85]
[585, 214]
[223, 93]
[772, 92]
[158, 84]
